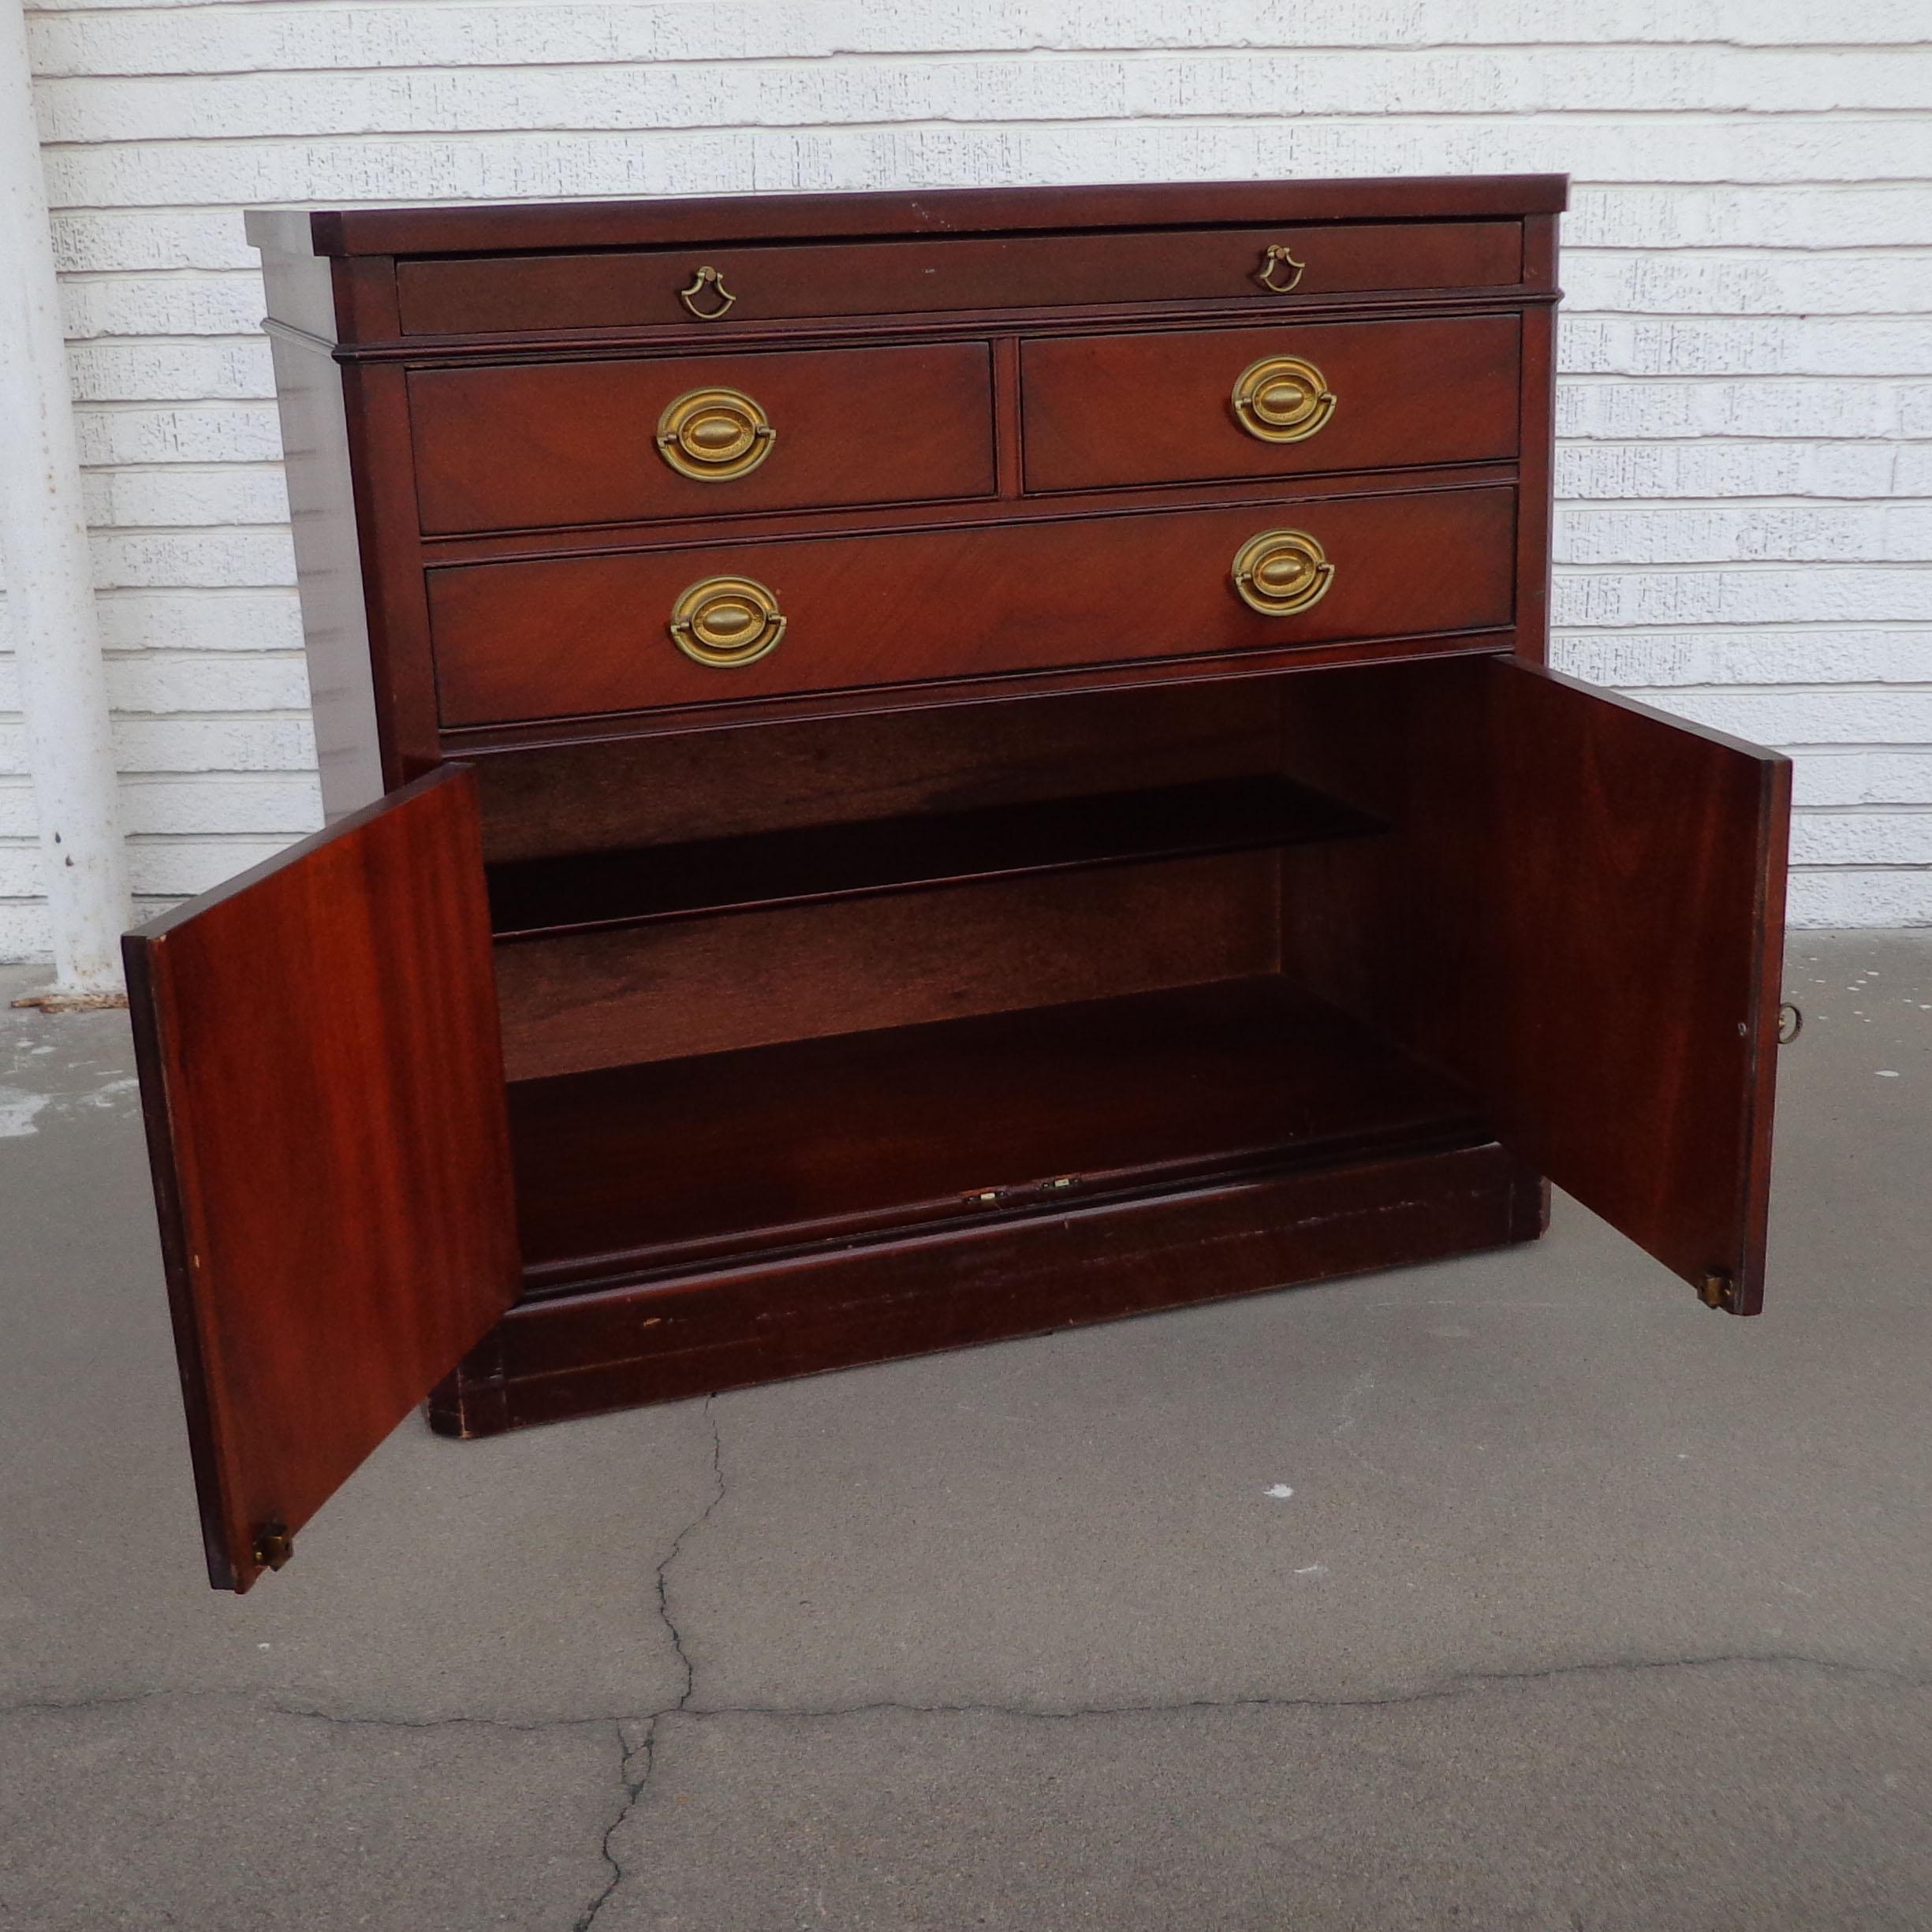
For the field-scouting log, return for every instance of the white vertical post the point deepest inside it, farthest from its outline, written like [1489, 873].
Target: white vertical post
[43, 545]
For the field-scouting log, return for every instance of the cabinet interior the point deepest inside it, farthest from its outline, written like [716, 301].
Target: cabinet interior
[823, 980]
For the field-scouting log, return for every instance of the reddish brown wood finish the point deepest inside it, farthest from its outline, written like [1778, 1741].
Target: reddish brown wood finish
[612, 794]
[646, 1166]
[846, 860]
[1170, 676]
[1579, 915]
[383, 514]
[1113, 411]
[556, 1357]
[1538, 420]
[781, 282]
[587, 635]
[573, 442]
[874, 963]
[662, 991]
[515, 227]
[325, 1101]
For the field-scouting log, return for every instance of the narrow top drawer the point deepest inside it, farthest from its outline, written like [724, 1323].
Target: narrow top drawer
[697, 287]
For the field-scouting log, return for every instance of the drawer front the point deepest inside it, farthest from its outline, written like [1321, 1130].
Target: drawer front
[581, 635]
[776, 282]
[1103, 410]
[580, 442]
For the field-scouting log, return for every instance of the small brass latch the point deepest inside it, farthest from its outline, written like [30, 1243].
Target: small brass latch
[1024, 1190]
[1790, 1024]
[1719, 1291]
[1279, 257]
[274, 1544]
[711, 279]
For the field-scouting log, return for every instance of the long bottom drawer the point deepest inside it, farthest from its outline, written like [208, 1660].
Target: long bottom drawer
[579, 636]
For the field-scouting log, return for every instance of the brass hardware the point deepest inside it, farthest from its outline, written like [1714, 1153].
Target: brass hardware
[1275, 257]
[1019, 1193]
[1790, 1024]
[711, 278]
[726, 622]
[1281, 572]
[1282, 399]
[274, 1544]
[1719, 1291]
[715, 435]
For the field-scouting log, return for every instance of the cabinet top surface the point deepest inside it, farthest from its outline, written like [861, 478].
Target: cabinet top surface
[524, 226]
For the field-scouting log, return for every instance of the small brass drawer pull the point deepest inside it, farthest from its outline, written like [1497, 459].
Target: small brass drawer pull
[1282, 399]
[727, 622]
[712, 279]
[1277, 259]
[715, 435]
[1281, 572]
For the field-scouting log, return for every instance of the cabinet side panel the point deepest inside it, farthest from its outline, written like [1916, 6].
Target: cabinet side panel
[1536, 425]
[328, 574]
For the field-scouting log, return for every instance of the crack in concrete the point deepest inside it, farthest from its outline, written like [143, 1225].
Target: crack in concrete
[664, 1568]
[102, 1701]
[1462, 1684]
[635, 1788]
[426, 1724]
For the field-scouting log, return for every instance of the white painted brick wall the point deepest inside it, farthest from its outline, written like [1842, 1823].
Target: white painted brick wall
[1746, 416]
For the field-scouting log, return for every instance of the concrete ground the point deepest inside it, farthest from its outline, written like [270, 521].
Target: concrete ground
[1518, 1592]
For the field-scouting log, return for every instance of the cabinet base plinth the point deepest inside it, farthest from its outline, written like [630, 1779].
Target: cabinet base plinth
[664, 1341]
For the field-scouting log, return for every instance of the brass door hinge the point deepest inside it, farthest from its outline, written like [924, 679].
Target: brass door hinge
[1719, 1291]
[274, 1544]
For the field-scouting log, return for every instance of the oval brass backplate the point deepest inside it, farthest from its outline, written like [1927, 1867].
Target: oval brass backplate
[726, 622]
[1281, 572]
[715, 435]
[1282, 399]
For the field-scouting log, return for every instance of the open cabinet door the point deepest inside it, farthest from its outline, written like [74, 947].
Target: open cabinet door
[323, 1078]
[1579, 915]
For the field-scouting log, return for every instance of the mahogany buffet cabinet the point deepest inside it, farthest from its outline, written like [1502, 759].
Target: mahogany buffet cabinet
[908, 768]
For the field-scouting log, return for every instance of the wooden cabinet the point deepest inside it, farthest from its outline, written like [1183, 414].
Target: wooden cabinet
[904, 769]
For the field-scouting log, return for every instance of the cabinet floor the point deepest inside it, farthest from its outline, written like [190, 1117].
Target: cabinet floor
[673, 1162]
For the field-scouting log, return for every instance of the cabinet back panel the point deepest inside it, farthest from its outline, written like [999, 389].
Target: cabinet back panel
[548, 801]
[601, 999]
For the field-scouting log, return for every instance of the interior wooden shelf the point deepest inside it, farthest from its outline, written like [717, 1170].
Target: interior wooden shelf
[590, 890]
[650, 1166]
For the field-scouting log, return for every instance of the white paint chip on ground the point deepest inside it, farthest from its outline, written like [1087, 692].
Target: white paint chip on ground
[1313, 1569]
[17, 1108]
[1279, 1490]
[1888, 1073]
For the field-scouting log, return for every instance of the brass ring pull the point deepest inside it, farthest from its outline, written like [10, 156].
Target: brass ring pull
[1281, 572]
[711, 278]
[715, 435]
[726, 622]
[1282, 399]
[1790, 1024]
[1276, 257]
